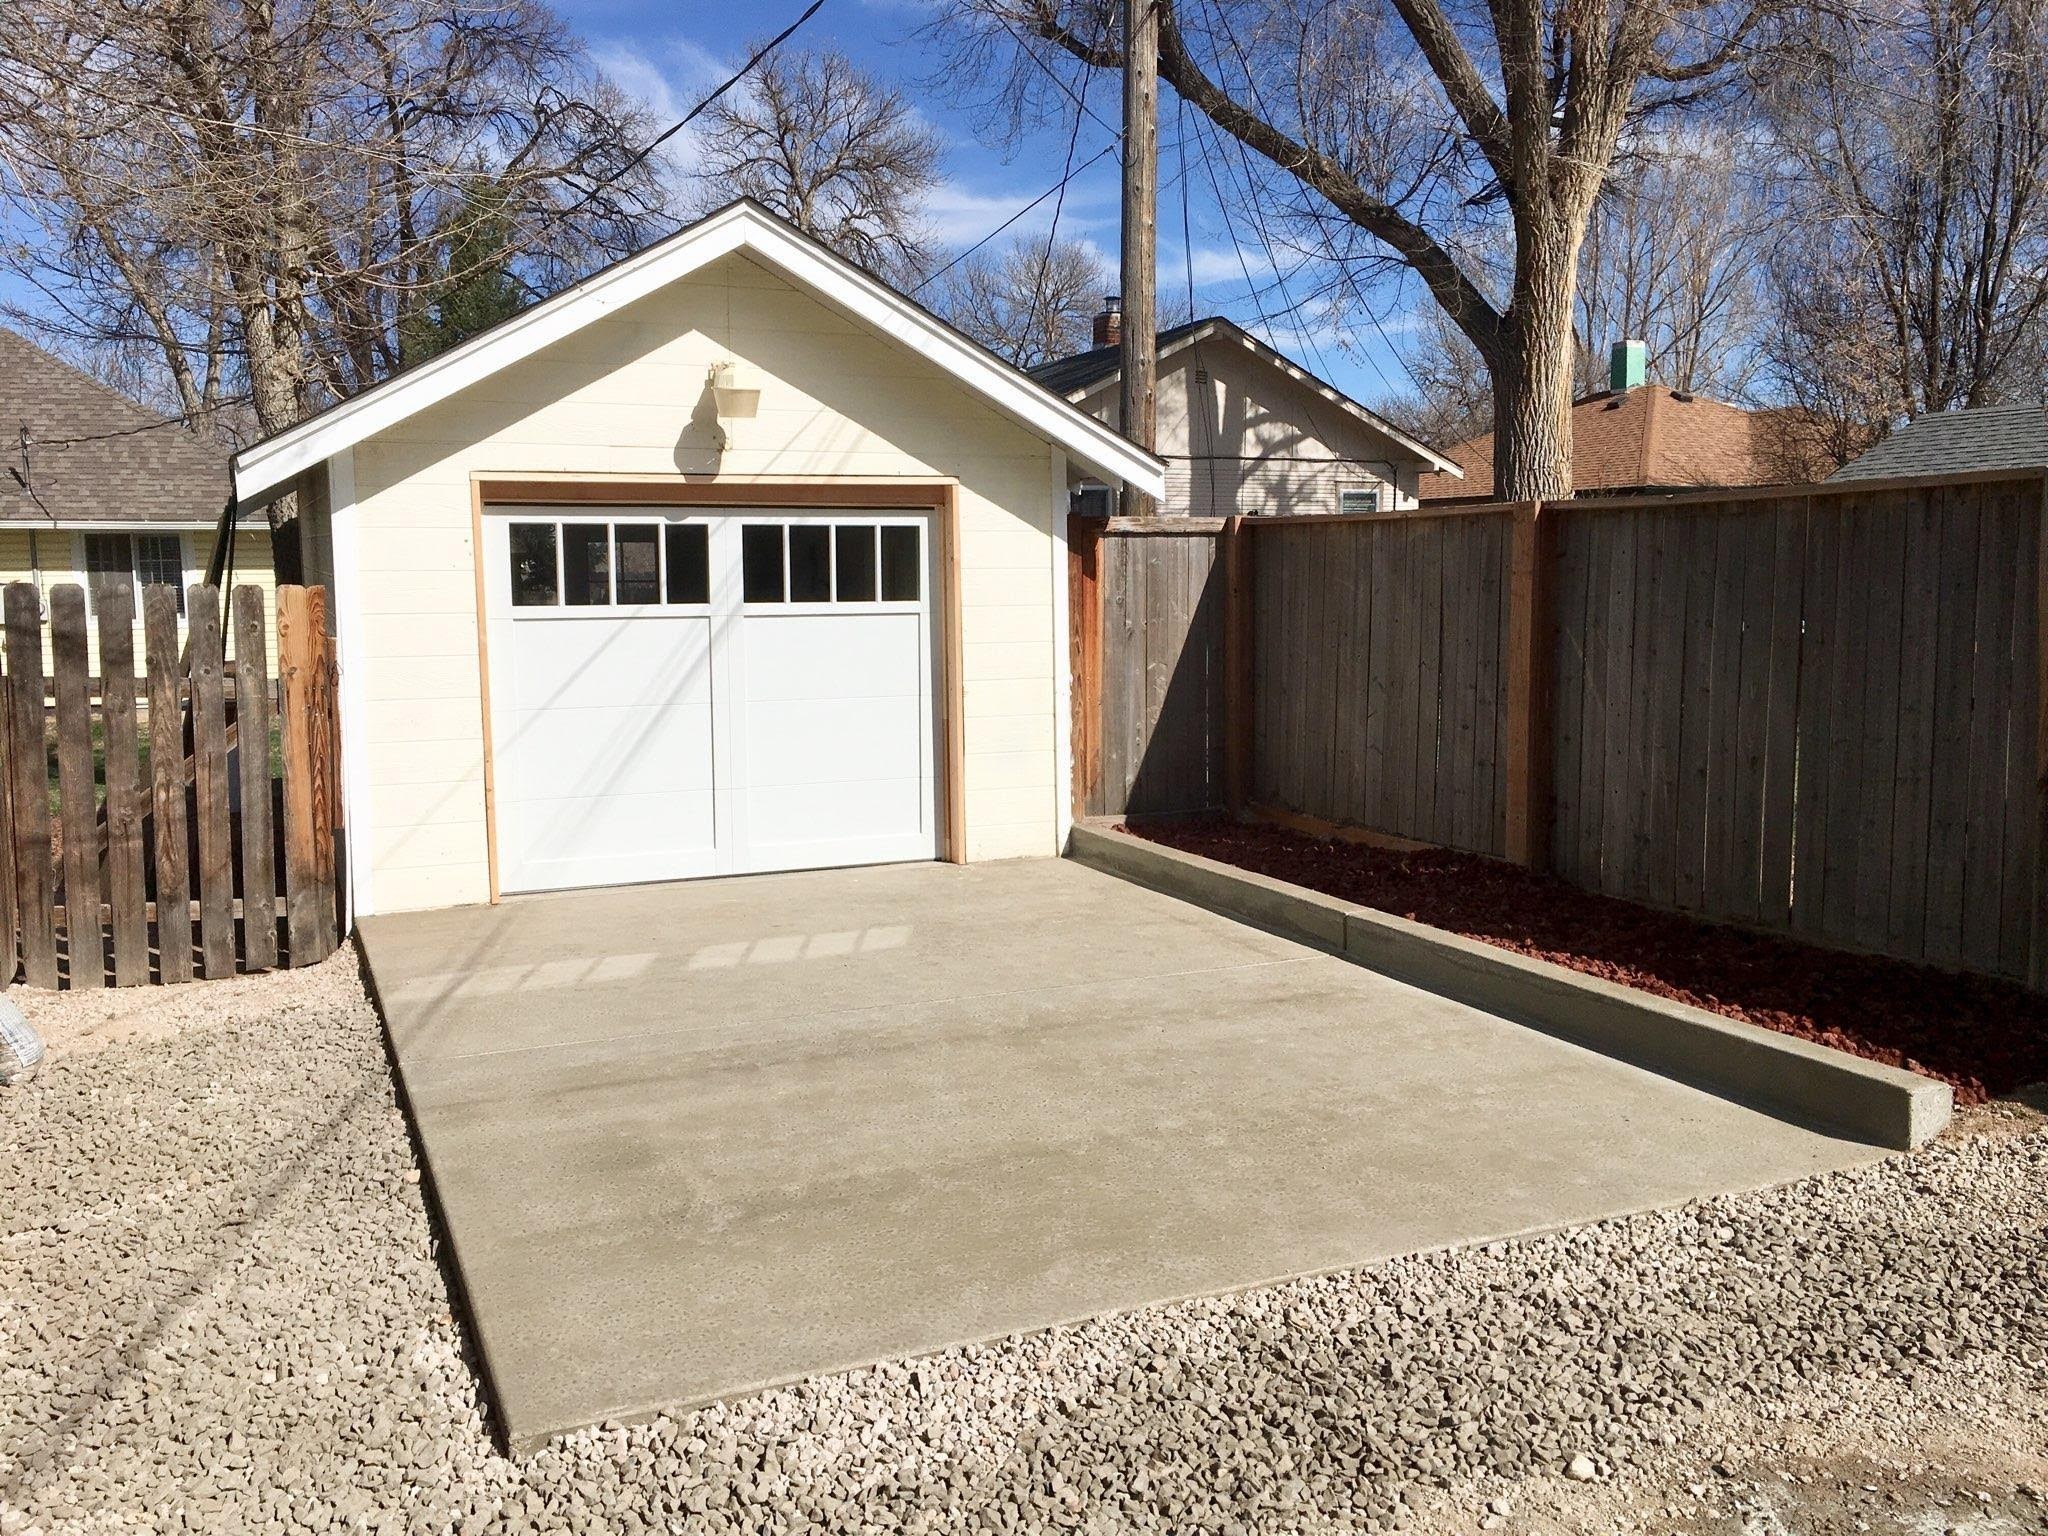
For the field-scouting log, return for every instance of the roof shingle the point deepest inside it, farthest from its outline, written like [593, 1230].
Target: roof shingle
[1648, 438]
[156, 471]
[1989, 437]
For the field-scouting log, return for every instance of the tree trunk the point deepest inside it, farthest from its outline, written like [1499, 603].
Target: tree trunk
[1532, 376]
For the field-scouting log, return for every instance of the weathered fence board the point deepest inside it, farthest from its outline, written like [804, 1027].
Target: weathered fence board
[152, 838]
[28, 785]
[1378, 663]
[167, 784]
[1160, 744]
[252, 756]
[78, 823]
[1816, 710]
[216, 879]
[127, 885]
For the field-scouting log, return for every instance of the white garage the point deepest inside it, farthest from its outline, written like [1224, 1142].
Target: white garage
[727, 559]
[685, 692]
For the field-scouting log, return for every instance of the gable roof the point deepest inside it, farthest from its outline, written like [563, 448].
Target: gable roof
[1084, 372]
[744, 226]
[1647, 438]
[1989, 437]
[138, 468]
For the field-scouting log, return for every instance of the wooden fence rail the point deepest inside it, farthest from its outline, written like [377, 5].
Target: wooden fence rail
[165, 828]
[1817, 710]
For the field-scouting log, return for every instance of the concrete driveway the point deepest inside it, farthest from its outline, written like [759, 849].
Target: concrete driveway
[692, 1140]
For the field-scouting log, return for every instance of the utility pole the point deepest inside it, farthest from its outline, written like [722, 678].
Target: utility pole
[1140, 235]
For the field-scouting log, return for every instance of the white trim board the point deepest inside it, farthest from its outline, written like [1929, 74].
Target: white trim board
[263, 468]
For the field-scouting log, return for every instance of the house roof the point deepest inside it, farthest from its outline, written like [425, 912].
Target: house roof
[1647, 438]
[94, 455]
[264, 468]
[1989, 437]
[1084, 372]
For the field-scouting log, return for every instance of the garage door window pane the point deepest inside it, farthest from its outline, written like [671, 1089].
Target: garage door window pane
[689, 563]
[810, 564]
[586, 564]
[900, 562]
[856, 573]
[533, 565]
[639, 562]
[761, 562]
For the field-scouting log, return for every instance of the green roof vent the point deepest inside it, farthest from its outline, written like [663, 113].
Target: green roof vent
[1628, 365]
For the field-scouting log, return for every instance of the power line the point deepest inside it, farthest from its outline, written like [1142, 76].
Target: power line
[1052, 230]
[640, 155]
[1050, 191]
[1187, 242]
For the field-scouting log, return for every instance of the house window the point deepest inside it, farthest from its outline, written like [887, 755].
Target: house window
[135, 560]
[1354, 500]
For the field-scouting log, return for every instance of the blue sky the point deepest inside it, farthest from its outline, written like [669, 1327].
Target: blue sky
[669, 56]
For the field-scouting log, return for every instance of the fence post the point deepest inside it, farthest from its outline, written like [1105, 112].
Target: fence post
[1238, 639]
[1529, 642]
[1084, 604]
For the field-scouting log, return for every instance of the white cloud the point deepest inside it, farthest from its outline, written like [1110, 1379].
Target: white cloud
[667, 80]
[959, 213]
[1214, 267]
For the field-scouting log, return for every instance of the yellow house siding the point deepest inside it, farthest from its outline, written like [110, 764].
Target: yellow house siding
[50, 557]
[629, 395]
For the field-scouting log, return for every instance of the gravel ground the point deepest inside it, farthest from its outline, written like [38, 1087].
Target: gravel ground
[220, 1310]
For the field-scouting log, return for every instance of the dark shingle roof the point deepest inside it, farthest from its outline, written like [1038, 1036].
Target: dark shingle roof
[1990, 437]
[159, 473]
[1084, 370]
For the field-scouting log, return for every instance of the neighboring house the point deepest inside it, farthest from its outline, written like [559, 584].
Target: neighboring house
[1640, 438]
[1942, 442]
[728, 558]
[97, 488]
[1243, 430]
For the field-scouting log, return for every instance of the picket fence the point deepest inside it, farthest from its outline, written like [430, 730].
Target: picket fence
[179, 824]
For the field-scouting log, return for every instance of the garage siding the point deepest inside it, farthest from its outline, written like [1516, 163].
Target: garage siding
[628, 395]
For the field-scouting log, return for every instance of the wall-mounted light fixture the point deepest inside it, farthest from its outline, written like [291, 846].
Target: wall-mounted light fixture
[734, 389]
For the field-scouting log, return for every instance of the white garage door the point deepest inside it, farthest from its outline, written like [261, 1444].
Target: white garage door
[707, 692]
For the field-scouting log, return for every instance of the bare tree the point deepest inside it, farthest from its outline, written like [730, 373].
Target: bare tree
[246, 198]
[1914, 275]
[1409, 128]
[833, 150]
[1030, 302]
[1451, 398]
[1674, 256]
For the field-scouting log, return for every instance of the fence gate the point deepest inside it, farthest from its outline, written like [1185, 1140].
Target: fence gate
[180, 823]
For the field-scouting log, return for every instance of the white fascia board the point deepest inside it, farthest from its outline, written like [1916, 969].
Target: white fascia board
[261, 469]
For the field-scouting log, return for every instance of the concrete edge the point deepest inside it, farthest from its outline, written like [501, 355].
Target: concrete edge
[514, 1439]
[1792, 1078]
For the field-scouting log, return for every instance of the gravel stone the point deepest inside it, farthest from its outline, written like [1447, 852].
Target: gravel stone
[222, 1308]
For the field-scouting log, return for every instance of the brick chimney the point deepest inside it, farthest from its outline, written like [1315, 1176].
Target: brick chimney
[1109, 325]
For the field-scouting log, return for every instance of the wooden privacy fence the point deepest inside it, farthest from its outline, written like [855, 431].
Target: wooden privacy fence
[189, 826]
[1817, 710]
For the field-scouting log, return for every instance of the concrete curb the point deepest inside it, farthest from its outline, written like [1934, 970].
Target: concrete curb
[1792, 1078]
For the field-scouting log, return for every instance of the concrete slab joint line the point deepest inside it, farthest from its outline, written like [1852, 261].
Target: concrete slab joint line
[1794, 1078]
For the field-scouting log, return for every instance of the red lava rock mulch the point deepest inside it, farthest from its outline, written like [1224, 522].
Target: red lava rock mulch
[1982, 1036]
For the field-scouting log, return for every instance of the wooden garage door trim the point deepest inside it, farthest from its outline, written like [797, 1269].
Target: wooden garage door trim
[939, 497]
